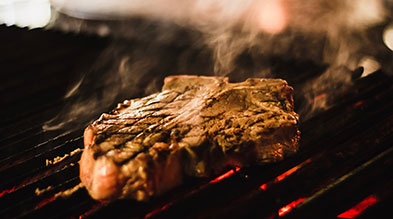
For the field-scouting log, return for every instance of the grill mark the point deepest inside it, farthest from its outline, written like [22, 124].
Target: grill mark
[142, 125]
[144, 150]
[142, 135]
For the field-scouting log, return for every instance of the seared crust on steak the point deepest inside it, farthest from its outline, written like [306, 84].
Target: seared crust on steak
[196, 126]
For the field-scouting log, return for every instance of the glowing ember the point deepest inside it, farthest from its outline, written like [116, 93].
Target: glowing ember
[154, 212]
[357, 104]
[219, 178]
[7, 191]
[359, 207]
[289, 207]
[320, 97]
[285, 174]
[225, 175]
[44, 202]
[292, 170]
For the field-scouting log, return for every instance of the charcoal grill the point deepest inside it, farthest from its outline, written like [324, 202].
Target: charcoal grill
[344, 167]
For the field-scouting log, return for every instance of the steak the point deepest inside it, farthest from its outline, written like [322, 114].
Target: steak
[195, 127]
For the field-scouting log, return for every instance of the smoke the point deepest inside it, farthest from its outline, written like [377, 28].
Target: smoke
[236, 38]
[120, 72]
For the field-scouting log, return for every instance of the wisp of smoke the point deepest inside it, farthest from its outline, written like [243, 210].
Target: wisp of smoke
[328, 32]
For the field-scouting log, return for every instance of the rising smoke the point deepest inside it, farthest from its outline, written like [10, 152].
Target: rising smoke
[237, 38]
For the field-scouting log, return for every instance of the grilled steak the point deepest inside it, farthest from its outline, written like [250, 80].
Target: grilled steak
[196, 126]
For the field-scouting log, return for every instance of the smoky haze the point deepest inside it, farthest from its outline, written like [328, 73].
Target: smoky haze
[235, 38]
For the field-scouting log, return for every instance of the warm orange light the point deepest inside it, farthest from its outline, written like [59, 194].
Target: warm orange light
[288, 208]
[271, 16]
[225, 175]
[263, 186]
[359, 207]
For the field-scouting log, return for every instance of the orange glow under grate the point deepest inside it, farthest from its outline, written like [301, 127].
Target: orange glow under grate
[7, 191]
[156, 211]
[219, 178]
[292, 170]
[320, 97]
[287, 208]
[92, 208]
[357, 104]
[285, 174]
[359, 207]
[225, 175]
[44, 202]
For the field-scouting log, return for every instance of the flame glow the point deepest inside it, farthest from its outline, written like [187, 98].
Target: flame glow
[45, 202]
[357, 104]
[359, 207]
[157, 210]
[292, 170]
[7, 191]
[287, 208]
[285, 174]
[225, 175]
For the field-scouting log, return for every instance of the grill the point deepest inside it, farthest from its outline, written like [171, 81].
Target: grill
[343, 168]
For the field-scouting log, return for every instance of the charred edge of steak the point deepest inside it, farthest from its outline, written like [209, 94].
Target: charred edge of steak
[196, 126]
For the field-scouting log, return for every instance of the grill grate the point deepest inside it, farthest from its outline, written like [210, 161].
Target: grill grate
[346, 154]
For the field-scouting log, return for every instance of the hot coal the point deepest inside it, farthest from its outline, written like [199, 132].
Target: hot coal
[196, 126]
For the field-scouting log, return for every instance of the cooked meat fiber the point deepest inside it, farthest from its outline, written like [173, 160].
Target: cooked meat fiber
[197, 126]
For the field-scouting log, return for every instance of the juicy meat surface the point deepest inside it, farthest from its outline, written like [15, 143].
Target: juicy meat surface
[196, 126]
